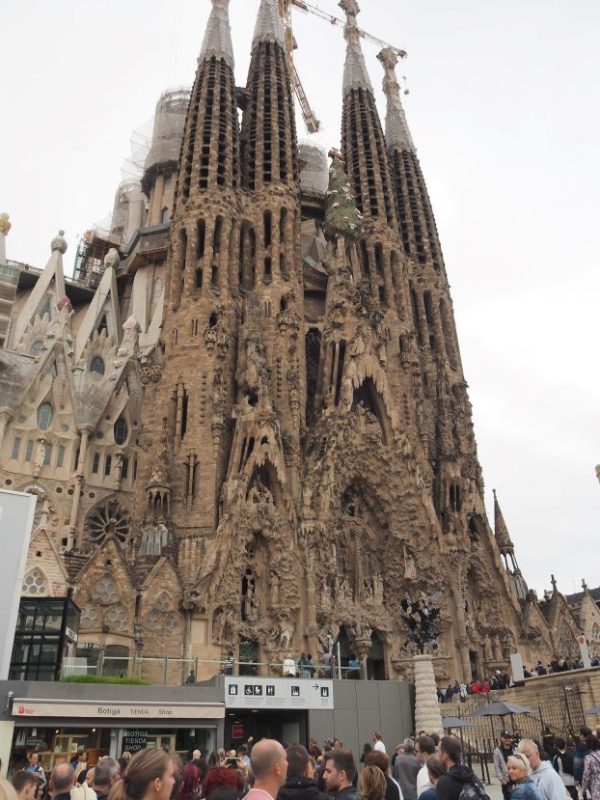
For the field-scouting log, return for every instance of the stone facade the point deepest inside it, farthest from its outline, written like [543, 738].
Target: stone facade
[277, 443]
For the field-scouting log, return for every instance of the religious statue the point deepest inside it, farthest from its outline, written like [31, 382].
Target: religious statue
[274, 589]
[410, 567]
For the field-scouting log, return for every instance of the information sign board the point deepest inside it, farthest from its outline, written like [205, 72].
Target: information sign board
[274, 693]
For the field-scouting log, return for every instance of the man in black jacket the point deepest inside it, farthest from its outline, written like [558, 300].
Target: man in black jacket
[299, 784]
[340, 770]
[450, 785]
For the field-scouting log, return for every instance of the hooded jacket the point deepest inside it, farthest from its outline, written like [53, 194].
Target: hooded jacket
[450, 785]
[300, 788]
[548, 782]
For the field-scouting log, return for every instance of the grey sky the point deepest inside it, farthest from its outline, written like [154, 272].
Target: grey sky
[504, 111]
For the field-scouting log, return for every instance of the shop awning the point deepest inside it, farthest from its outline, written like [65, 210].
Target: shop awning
[28, 707]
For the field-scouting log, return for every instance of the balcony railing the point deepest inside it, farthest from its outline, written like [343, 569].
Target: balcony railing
[168, 671]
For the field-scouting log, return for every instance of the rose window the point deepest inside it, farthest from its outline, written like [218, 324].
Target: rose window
[117, 618]
[154, 621]
[105, 591]
[35, 583]
[108, 520]
[163, 603]
[90, 617]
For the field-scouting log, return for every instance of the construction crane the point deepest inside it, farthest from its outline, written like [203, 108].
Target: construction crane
[285, 9]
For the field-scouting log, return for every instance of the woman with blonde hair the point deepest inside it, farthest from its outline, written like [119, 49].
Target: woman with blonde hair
[150, 775]
[371, 783]
[519, 772]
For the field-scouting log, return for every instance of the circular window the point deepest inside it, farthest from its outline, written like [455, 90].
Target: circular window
[97, 365]
[45, 415]
[121, 430]
[108, 520]
[36, 348]
[117, 618]
[90, 618]
[35, 583]
[105, 591]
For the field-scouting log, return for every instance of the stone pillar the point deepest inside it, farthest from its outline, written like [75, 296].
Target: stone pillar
[427, 708]
[75, 535]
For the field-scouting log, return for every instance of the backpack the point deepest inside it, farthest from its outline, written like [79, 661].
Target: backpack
[473, 791]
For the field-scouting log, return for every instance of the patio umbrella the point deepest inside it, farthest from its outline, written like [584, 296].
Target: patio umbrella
[456, 722]
[502, 709]
[594, 710]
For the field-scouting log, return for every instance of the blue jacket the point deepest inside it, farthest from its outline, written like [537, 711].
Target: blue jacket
[525, 791]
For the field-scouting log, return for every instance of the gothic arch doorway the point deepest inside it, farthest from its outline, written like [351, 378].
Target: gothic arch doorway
[248, 656]
[376, 659]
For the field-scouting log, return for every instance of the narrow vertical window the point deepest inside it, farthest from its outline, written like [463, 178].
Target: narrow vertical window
[107, 465]
[60, 456]
[16, 447]
[47, 454]
[29, 450]
[96, 463]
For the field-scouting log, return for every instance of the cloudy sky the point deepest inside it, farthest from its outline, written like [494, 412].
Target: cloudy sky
[504, 110]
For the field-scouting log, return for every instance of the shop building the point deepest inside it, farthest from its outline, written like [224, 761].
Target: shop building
[58, 719]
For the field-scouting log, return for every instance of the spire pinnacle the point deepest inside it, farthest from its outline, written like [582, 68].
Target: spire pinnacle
[269, 25]
[217, 37]
[397, 133]
[355, 69]
[501, 531]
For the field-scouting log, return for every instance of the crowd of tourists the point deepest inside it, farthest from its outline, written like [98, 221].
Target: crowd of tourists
[425, 768]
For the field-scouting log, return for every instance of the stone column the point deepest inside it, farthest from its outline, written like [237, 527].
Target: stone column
[427, 708]
[75, 535]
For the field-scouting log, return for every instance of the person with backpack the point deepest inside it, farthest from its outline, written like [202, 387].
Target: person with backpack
[563, 763]
[459, 782]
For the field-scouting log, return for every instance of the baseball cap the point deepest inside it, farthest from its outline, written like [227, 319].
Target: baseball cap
[506, 735]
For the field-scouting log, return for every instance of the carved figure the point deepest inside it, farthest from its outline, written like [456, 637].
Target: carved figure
[274, 589]
[410, 567]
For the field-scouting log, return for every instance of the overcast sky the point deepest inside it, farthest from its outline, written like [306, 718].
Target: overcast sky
[504, 111]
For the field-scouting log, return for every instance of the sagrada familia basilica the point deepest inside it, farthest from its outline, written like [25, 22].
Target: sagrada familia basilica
[245, 416]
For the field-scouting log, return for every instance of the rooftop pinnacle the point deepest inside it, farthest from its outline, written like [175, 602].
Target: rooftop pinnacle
[355, 69]
[217, 37]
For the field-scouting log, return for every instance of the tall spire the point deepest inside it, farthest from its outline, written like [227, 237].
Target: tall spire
[269, 25]
[355, 69]
[397, 133]
[217, 37]
[269, 147]
[502, 535]
[210, 156]
[363, 143]
[415, 214]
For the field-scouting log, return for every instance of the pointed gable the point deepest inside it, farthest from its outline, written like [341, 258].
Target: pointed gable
[44, 556]
[47, 292]
[103, 312]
